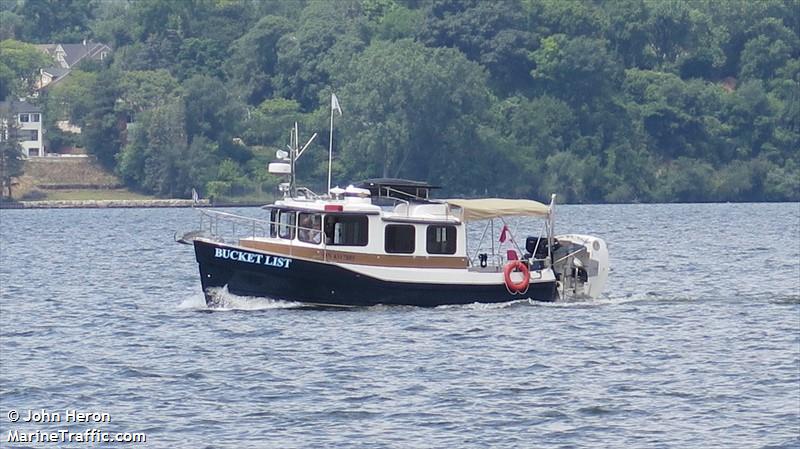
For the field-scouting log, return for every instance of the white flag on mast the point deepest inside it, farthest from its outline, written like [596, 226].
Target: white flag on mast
[335, 104]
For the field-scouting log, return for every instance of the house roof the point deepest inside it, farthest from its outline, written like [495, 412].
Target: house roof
[56, 72]
[73, 53]
[18, 107]
[76, 52]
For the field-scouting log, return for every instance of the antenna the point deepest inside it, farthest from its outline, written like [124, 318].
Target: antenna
[294, 153]
[306, 145]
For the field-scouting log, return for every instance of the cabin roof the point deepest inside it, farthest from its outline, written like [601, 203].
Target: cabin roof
[401, 189]
[394, 182]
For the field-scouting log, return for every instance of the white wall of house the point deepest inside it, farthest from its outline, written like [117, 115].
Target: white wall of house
[30, 134]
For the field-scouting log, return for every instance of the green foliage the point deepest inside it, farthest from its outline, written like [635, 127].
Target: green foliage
[70, 99]
[19, 66]
[11, 161]
[269, 124]
[252, 64]
[398, 23]
[158, 157]
[617, 101]
[406, 119]
[10, 25]
[329, 34]
[494, 34]
[143, 90]
[46, 21]
[103, 126]
[582, 63]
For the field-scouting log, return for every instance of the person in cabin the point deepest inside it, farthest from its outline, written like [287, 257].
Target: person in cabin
[316, 229]
[310, 228]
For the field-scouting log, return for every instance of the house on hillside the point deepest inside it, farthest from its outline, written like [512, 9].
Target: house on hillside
[28, 120]
[50, 75]
[67, 57]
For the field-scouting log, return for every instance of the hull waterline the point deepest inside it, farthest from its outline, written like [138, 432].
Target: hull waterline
[274, 276]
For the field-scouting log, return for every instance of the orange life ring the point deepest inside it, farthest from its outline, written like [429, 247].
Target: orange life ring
[522, 285]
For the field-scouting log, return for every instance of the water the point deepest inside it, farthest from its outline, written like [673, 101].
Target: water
[696, 343]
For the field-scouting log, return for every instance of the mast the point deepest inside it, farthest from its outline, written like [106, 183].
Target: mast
[551, 221]
[334, 107]
[330, 153]
[293, 150]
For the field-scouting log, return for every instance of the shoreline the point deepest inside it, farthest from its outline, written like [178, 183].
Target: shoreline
[181, 203]
[117, 204]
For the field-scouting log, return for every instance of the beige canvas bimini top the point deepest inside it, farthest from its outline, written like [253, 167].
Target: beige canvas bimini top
[487, 208]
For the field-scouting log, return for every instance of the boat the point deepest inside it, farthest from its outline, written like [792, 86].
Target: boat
[389, 241]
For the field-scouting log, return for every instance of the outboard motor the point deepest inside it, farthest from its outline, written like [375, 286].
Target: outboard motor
[536, 247]
[581, 265]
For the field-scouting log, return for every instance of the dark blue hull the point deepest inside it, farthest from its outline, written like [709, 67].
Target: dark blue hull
[259, 274]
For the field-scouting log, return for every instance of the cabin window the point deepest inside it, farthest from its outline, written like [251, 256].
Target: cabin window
[399, 239]
[347, 230]
[273, 222]
[286, 224]
[441, 239]
[309, 228]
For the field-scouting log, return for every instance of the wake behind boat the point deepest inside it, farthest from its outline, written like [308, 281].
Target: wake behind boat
[386, 241]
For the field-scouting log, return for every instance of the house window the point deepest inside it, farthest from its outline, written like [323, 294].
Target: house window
[24, 118]
[286, 224]
[33, 152]
[309, 228]
[29, 135]
[35, 118]
[441, 239]
[347, 230]
[399, 239]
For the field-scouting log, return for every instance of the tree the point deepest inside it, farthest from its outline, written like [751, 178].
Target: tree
[681, 38]
[55, 20]
[19, 67]
[70, 99]
[210, 111]
[10, 24]
[269, 123]
[11, 161]
[495, 34]
[104, 125]
[254, 59]
[407, 118]
[141, 90]
[152, 159]
[309, 56]
[627, 30]
[768, 51]
[576, 69]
